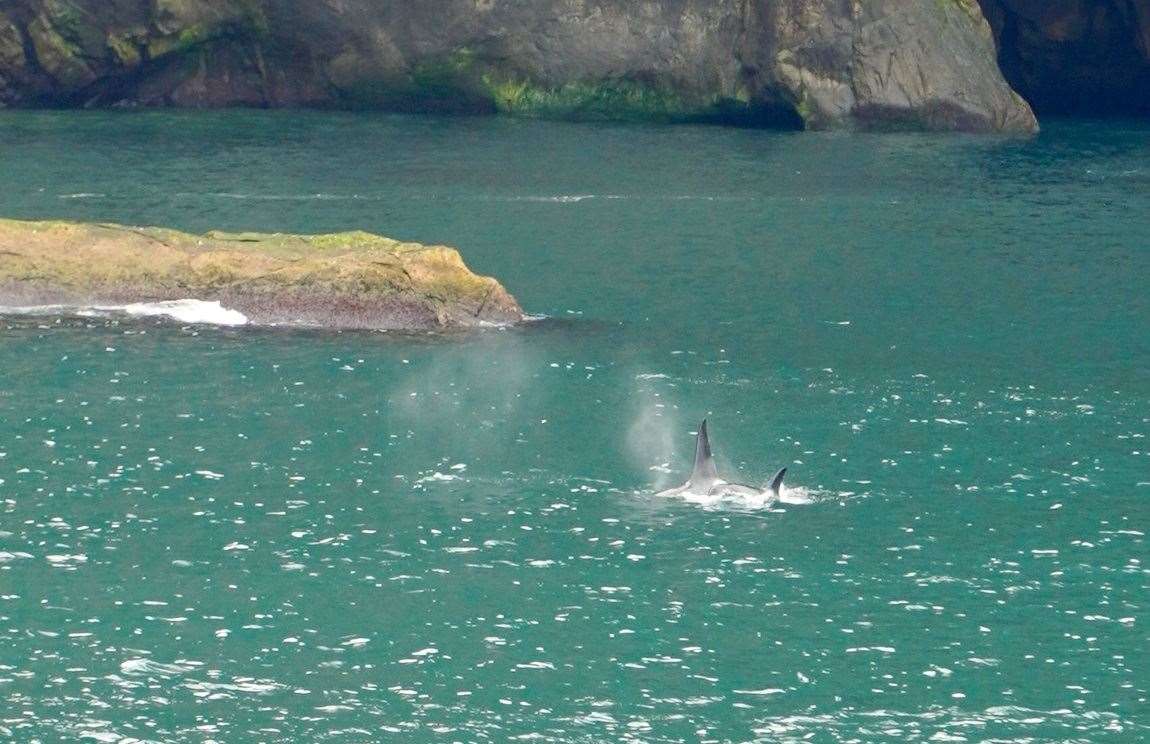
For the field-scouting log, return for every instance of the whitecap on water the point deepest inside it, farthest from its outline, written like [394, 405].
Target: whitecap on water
[789, 496]
[321, 196]
[183, 311]
[147, 667]
[558, 198]
[437, 477]
[188, 311]
[240, 684]
[796, 495]
[66, 559]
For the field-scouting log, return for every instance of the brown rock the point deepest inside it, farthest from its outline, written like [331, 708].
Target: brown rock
[340, 280]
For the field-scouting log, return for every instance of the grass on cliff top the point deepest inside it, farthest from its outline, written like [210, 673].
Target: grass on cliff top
[282, 244]
[91, 255]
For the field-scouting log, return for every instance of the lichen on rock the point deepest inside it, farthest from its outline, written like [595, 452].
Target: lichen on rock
[341, 280]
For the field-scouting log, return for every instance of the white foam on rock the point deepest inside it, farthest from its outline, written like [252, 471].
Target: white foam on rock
[183, 311]
[188, 311]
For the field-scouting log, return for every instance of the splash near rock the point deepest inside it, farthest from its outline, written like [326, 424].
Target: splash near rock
[339, 280]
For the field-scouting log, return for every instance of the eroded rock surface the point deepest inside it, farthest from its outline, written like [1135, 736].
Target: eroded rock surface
[340, 280]
[802, 63]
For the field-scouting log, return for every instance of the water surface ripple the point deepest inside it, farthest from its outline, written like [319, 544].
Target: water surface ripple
[228, 534]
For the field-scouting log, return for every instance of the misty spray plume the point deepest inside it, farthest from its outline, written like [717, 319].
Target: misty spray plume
[651, 438]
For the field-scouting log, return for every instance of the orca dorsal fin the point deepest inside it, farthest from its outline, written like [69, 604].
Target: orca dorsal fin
[776, 483]
[704, 472]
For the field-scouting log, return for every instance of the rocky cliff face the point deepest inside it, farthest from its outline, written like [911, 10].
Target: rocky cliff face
[1087, 57]
[804, 63]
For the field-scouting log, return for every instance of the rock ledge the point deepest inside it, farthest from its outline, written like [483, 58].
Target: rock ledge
[339, 280]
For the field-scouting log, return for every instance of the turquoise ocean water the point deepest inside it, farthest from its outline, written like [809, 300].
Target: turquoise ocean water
[239, 535]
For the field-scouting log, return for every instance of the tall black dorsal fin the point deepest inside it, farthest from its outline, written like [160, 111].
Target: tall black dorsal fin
[704, 472]
[776, 483]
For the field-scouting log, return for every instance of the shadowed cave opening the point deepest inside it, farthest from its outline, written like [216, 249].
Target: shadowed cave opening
[1088, 58]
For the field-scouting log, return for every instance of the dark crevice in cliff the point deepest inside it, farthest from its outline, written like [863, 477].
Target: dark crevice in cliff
[760, 115]
[1075, 57]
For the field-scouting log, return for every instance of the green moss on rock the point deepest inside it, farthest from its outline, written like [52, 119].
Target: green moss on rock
[184, 40]
[628, 100]
[610, 99]
[124, 50]
[349, 280]
[58, 55]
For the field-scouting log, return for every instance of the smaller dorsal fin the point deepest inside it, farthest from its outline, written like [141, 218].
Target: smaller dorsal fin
[776, 483]
[704, 472]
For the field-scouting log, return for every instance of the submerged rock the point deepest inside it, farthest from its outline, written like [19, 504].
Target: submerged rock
[794, 63]
[340, 280]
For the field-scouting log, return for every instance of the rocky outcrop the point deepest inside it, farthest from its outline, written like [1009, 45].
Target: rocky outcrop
[1083, 57]
[802, 63]
[921, 64]
[341, 280]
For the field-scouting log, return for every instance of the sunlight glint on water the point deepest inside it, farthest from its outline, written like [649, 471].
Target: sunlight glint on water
[237, 534]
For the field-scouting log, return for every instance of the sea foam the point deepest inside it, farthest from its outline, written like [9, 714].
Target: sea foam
[183, 311]
[187, 311]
